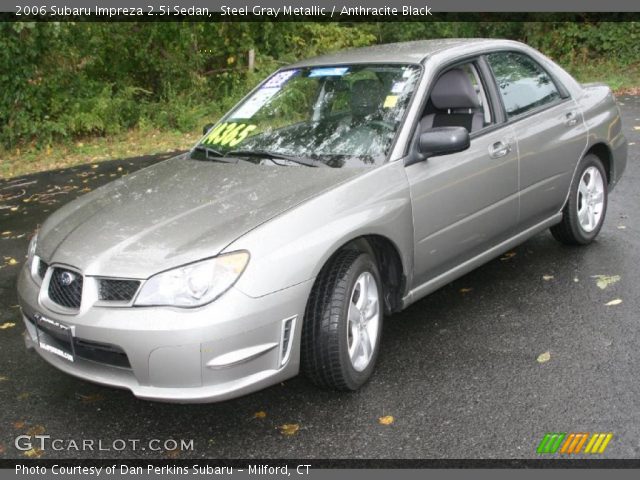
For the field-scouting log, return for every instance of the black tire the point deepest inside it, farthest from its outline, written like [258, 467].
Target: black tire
[324, 357]
[569, 231]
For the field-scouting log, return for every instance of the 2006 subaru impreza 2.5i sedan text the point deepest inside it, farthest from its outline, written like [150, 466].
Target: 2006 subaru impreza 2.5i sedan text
[339, 191]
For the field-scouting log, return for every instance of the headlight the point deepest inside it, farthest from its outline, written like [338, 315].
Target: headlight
[195, 284]
[33, 243]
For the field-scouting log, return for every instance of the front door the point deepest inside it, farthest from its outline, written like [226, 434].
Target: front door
[466, 202]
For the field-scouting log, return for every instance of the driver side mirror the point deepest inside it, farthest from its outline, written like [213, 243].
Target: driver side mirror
[207, 127]
[443, 141]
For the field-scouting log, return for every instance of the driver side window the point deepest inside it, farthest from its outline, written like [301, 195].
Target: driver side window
[458, 99]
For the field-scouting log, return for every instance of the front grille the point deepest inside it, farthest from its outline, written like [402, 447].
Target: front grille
[42, 268]
[118, 290]
[65, 287]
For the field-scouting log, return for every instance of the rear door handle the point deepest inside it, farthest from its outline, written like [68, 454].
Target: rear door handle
[571, 118]
[499, 149]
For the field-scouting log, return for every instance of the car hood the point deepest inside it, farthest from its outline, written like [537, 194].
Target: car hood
[173, 213]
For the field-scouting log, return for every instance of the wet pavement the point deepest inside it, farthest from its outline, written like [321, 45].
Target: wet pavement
[461, 373]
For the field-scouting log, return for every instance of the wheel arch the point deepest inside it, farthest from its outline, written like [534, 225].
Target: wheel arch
[603, 152]
[387, 256]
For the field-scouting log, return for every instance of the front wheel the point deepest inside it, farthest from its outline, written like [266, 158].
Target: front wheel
[583, 215]
[343, 323]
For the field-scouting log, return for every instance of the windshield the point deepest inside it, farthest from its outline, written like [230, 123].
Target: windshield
[339, 116]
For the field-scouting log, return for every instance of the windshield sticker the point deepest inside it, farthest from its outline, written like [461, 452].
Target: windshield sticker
[398, 87]
[256, 102]
[391, 101]
[328, 72]
[230, 134]
[279, 79]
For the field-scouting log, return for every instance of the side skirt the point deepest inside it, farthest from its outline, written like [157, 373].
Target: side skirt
[473, 263]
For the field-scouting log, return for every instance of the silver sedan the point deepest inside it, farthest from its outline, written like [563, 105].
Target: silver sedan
[339, 191]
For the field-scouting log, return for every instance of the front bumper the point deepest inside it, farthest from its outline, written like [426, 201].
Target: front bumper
[231, 347]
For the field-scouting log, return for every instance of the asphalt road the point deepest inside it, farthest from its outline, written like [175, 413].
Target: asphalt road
[458, 372]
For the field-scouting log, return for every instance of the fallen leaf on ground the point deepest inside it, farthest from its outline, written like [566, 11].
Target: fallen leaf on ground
[33, 453]
[465, 290]
[7, 325]
[616, 301]
[2, 449]
[544, 357]
[36, 430]
[603, 281]
[3, 379]
[546, 278]
[175, 453]
[289, 429]
[260, 414]
[96, 397]
[19, 425]
[23, 396]
[386, 420]
[507, 256]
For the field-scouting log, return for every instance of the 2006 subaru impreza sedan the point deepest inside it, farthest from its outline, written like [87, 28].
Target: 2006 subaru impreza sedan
[339, 191]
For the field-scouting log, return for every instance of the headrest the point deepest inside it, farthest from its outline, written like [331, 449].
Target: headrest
[366, 97]
[454, 90]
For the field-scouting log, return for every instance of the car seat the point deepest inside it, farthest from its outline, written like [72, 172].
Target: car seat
[456, 103]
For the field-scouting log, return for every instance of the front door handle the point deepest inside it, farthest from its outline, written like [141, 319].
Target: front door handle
[571, 119]
[499, 149]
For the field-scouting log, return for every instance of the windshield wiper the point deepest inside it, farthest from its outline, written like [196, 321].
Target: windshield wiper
[309, 162]
[213, 155]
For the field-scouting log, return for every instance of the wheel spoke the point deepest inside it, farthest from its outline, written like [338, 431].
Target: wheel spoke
[592, 217]
[354, 351]
[354, 314]
[365, 342]
[372, 310]
[598, 196]
[583, 216]
[592, 179]
[582, 188]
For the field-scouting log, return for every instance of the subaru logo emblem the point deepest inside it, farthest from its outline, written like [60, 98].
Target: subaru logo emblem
[67, 278]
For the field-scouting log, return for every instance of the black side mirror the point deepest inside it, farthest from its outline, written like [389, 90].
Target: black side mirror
[442, 141]
[207, 127]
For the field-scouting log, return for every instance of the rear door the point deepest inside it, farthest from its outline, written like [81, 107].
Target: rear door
[549, 129]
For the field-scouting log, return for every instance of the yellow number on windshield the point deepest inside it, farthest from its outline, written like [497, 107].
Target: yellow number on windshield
[230, 134]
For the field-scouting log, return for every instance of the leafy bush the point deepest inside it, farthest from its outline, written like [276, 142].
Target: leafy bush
[67, 80]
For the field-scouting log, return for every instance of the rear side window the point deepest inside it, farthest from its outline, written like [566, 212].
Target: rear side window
[523, 84]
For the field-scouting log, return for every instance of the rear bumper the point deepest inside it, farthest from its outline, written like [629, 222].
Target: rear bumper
[619, 152]
[226, 349]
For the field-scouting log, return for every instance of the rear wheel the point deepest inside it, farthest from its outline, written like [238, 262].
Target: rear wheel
[583, 215]
[343, 323]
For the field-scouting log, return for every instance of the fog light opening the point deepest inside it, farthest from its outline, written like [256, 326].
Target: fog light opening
[288, 328]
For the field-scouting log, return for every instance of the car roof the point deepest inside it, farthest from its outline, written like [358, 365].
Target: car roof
[404, 52]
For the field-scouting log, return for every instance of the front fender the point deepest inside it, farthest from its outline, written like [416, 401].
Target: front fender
[293, 247]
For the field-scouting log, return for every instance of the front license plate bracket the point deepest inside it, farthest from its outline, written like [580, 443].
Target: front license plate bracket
[55, 337]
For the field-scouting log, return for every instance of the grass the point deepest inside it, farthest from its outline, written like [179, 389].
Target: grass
[138, 142]
[621, 79]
